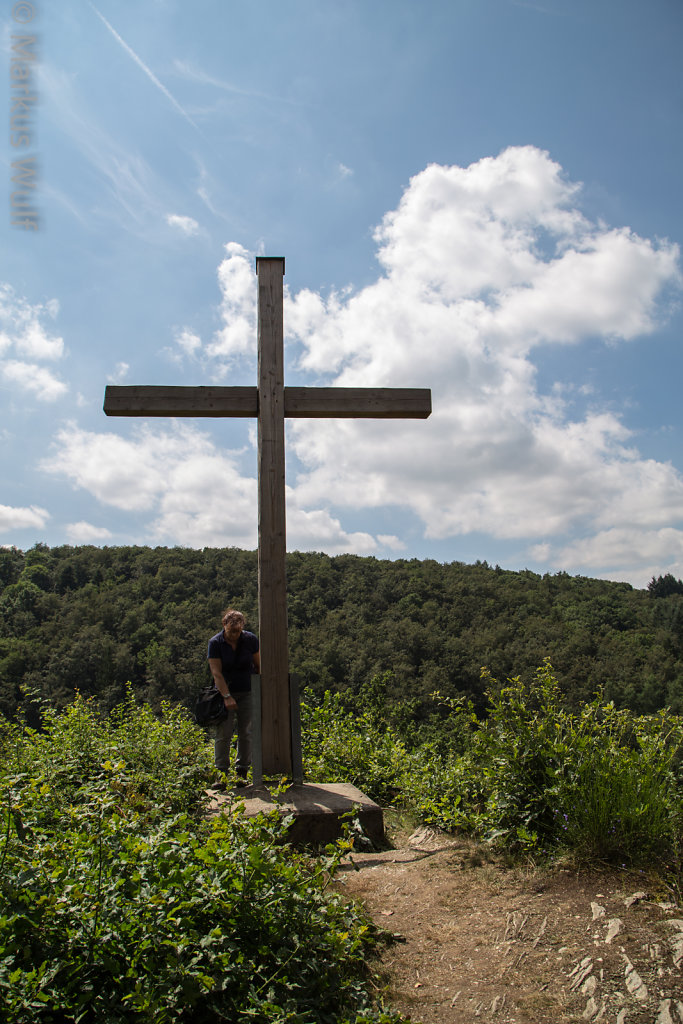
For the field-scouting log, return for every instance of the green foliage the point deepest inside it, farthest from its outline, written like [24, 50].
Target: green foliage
[600, 782]
[665, 586]
[372, 739]
[120, 902]
[163, 759]
[371, 641]
[532, 775]
[91, 618]
[357, 749]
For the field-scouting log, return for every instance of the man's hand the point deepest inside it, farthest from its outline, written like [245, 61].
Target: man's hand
[230, 702]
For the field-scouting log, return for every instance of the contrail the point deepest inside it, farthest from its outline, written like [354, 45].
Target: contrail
[141, 64]
[186, 69]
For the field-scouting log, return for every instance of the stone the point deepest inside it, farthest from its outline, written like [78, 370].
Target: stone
[541, 932]
[670, 1012]
[614, 927]
[430, 839]
[636, 898]
[591, 1009]
[634, 983]
[589, 986]
[581, 972]
[676, 943]
[318, 810]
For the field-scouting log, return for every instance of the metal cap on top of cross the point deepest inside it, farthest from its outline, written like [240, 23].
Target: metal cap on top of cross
[270, 401]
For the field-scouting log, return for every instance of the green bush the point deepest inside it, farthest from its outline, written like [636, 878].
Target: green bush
[341, 746]
[120, 902]
[533, 776]
[620, 796]
[600, 782]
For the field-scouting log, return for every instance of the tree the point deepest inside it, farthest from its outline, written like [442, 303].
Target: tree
[665, 586]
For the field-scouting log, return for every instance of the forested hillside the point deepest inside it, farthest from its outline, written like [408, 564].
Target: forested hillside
[91, 619]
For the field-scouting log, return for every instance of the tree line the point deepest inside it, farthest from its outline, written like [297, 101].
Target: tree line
[90, 619]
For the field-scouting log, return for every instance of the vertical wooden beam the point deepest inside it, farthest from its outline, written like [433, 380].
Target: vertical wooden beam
[272, 583]
[271, 402]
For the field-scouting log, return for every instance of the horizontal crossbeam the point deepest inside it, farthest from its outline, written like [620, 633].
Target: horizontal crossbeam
[370, 403]
[156, 400]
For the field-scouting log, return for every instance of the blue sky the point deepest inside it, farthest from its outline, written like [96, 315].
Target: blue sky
[477, 196]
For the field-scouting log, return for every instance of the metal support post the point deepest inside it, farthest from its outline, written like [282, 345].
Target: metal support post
[256, 737]
[295, 715]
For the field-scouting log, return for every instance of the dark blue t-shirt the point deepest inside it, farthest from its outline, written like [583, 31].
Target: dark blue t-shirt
[238, 664]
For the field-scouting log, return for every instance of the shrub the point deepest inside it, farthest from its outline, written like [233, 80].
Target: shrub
[120, 902]
[346, 747]
[601, 782]
[619, 796]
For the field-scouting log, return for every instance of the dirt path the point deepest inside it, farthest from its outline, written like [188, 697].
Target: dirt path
[481, 943]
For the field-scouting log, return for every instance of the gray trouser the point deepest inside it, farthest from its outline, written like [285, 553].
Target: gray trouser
[223, 736]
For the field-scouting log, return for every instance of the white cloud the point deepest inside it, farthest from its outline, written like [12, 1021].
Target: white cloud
[141, 64]
[236, 339]
[640, 553]
[194, 74]
[389, 540]
[480, 266]
[20, 518]
[120, 373]
[188, 225]
[461, 232]
[133, 195]
[205, 502]
[318, 530]
[238, 307]
[188, 342]
[35, 343]
[128, 474]
[86, 533]
[32, 377]
[607, 286]
[195, 494]
[23, 334]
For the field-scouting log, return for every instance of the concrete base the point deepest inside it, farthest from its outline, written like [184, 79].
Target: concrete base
[317, 809]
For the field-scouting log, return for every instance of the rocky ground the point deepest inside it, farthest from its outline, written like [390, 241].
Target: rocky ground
[478, 941]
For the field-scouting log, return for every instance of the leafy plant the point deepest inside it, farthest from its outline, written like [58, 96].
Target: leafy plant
[121, 902]
[601, 782]
[355, 748]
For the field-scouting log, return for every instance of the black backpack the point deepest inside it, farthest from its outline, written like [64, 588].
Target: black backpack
[210, 707]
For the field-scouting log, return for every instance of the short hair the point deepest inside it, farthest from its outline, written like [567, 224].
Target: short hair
[232, 615]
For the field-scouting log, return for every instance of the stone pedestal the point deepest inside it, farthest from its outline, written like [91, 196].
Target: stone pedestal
[317, 808]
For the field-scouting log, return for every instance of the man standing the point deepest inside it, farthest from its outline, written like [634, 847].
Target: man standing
[233, 656]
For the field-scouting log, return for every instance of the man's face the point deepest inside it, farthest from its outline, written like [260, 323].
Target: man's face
[232, 629]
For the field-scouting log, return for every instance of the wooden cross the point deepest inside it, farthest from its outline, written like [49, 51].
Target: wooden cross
[270, 402]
